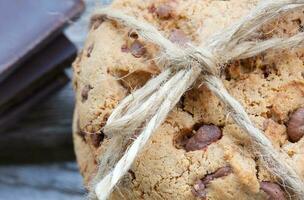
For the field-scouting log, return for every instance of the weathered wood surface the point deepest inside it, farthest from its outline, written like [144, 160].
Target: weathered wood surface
[45, 135]
[35, 182]
[45, 130]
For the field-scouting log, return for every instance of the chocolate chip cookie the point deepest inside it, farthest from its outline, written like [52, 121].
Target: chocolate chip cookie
[198, 152]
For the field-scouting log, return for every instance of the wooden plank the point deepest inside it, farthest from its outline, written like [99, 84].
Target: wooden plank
[46, 130]
[60, 181]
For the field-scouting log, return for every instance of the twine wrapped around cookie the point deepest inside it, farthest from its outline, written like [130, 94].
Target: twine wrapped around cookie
[143, 111]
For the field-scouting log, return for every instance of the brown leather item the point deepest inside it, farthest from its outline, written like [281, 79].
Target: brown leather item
[26, 26]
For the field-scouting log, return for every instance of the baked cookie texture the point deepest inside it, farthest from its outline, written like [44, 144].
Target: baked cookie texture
[115, 61]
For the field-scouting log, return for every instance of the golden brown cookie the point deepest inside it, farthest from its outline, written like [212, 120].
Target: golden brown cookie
[198, 152]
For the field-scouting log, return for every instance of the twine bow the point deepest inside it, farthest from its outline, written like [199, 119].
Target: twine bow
[147, 108]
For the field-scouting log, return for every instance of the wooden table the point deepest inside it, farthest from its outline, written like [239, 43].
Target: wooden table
[51, 173]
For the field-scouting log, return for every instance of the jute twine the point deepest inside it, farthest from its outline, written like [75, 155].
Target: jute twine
[145, 110]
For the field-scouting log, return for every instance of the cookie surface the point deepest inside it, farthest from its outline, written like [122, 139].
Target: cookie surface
[198, 152]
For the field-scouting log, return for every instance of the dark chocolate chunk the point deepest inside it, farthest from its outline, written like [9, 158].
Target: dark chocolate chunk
[28, 26]
[133, 34]
[51, 60]
[224, 171]
[125, 48]
[199, 188]
[301, 28]
[35, 77]
[97, 138]
[85, 92]
[132, 174]
[295, 125]
[82, 134]
[205, 135]
[137, 49]
[273, 190]
[152, 8]
[266, 71]
[164, 11]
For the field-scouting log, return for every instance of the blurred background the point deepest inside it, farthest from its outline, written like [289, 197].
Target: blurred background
[39, 40]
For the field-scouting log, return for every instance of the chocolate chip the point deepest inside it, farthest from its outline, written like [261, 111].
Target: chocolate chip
[298, 22]
[179, 37]
[137, 49]
[132, 174]
[164, 11]
[205, 135]
[152, 8]
[266, 71]
[81, 134]
[295, 125]
[85, 92]
[273, 190]
[133, 34]
[125, 48]
[199, 188]
[97, 138]
[224, 171]
[89, 50]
